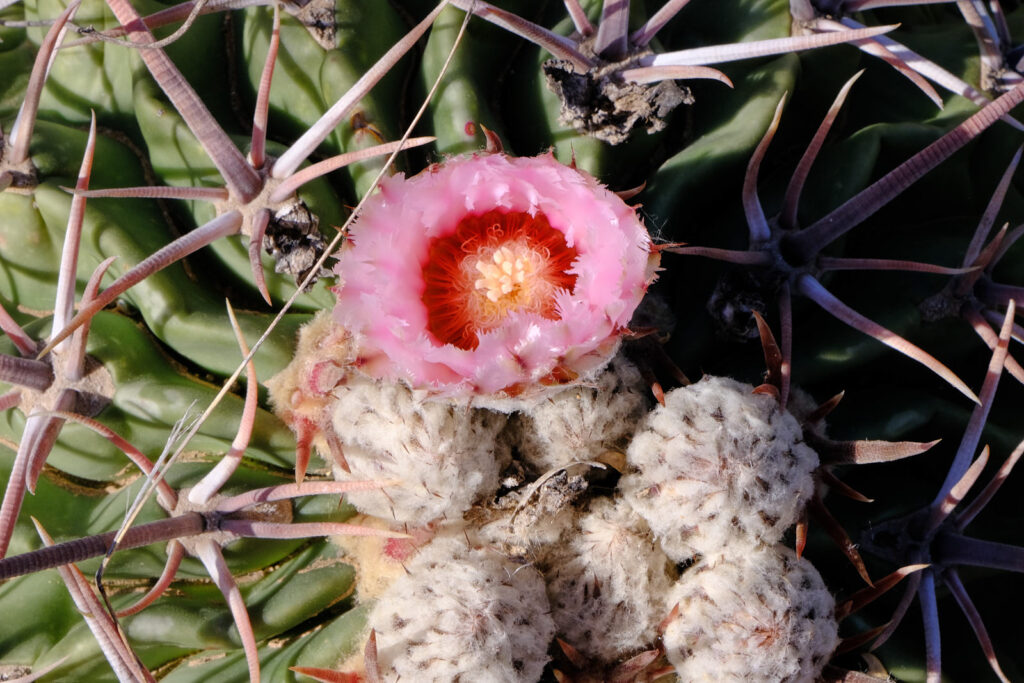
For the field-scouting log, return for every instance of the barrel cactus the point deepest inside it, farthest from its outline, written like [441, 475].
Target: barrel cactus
[354, 340]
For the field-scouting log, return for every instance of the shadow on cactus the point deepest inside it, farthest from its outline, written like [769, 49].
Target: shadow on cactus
[935, 535]
[988, 23]
[974, 295]
[785, 259]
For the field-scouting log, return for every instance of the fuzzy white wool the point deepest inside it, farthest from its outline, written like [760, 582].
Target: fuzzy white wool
[755, 615]
[583, 421]
[443, 455]
[461, 611]
[718, 465]
[606, 585]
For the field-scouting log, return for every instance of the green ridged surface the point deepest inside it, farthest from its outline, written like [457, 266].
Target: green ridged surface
[169, 343]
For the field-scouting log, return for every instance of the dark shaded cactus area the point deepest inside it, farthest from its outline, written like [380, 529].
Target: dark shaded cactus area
[152, 360]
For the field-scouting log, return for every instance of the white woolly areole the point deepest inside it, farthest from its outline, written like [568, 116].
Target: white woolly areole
[442, 454]
[463, 612]
[757, 615]
[718, 465]
[606, 585]
[583, 421]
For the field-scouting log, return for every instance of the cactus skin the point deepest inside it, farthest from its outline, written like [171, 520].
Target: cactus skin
[170, 339]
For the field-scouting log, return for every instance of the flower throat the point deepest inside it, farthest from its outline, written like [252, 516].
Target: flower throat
[494, 264]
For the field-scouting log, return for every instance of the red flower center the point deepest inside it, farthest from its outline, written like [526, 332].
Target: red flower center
[494, 264]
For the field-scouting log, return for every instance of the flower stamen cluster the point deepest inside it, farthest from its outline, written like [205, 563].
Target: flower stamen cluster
[495, 264]
[504, 279]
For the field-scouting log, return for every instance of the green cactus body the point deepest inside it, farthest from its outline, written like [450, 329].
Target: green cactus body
[550, 474]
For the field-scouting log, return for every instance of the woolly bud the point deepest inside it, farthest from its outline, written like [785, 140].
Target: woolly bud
[718, 465]
[463, 612]
[581, 422]
[441, 453]
[607, 583]
[757, 615]
[301, 392]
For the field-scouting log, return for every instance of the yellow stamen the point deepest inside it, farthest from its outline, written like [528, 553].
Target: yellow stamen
[506, 276]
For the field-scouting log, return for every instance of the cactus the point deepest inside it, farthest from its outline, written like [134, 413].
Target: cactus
[517, 423]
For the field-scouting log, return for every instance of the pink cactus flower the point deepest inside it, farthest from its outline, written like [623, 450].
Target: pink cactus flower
[492, 274]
